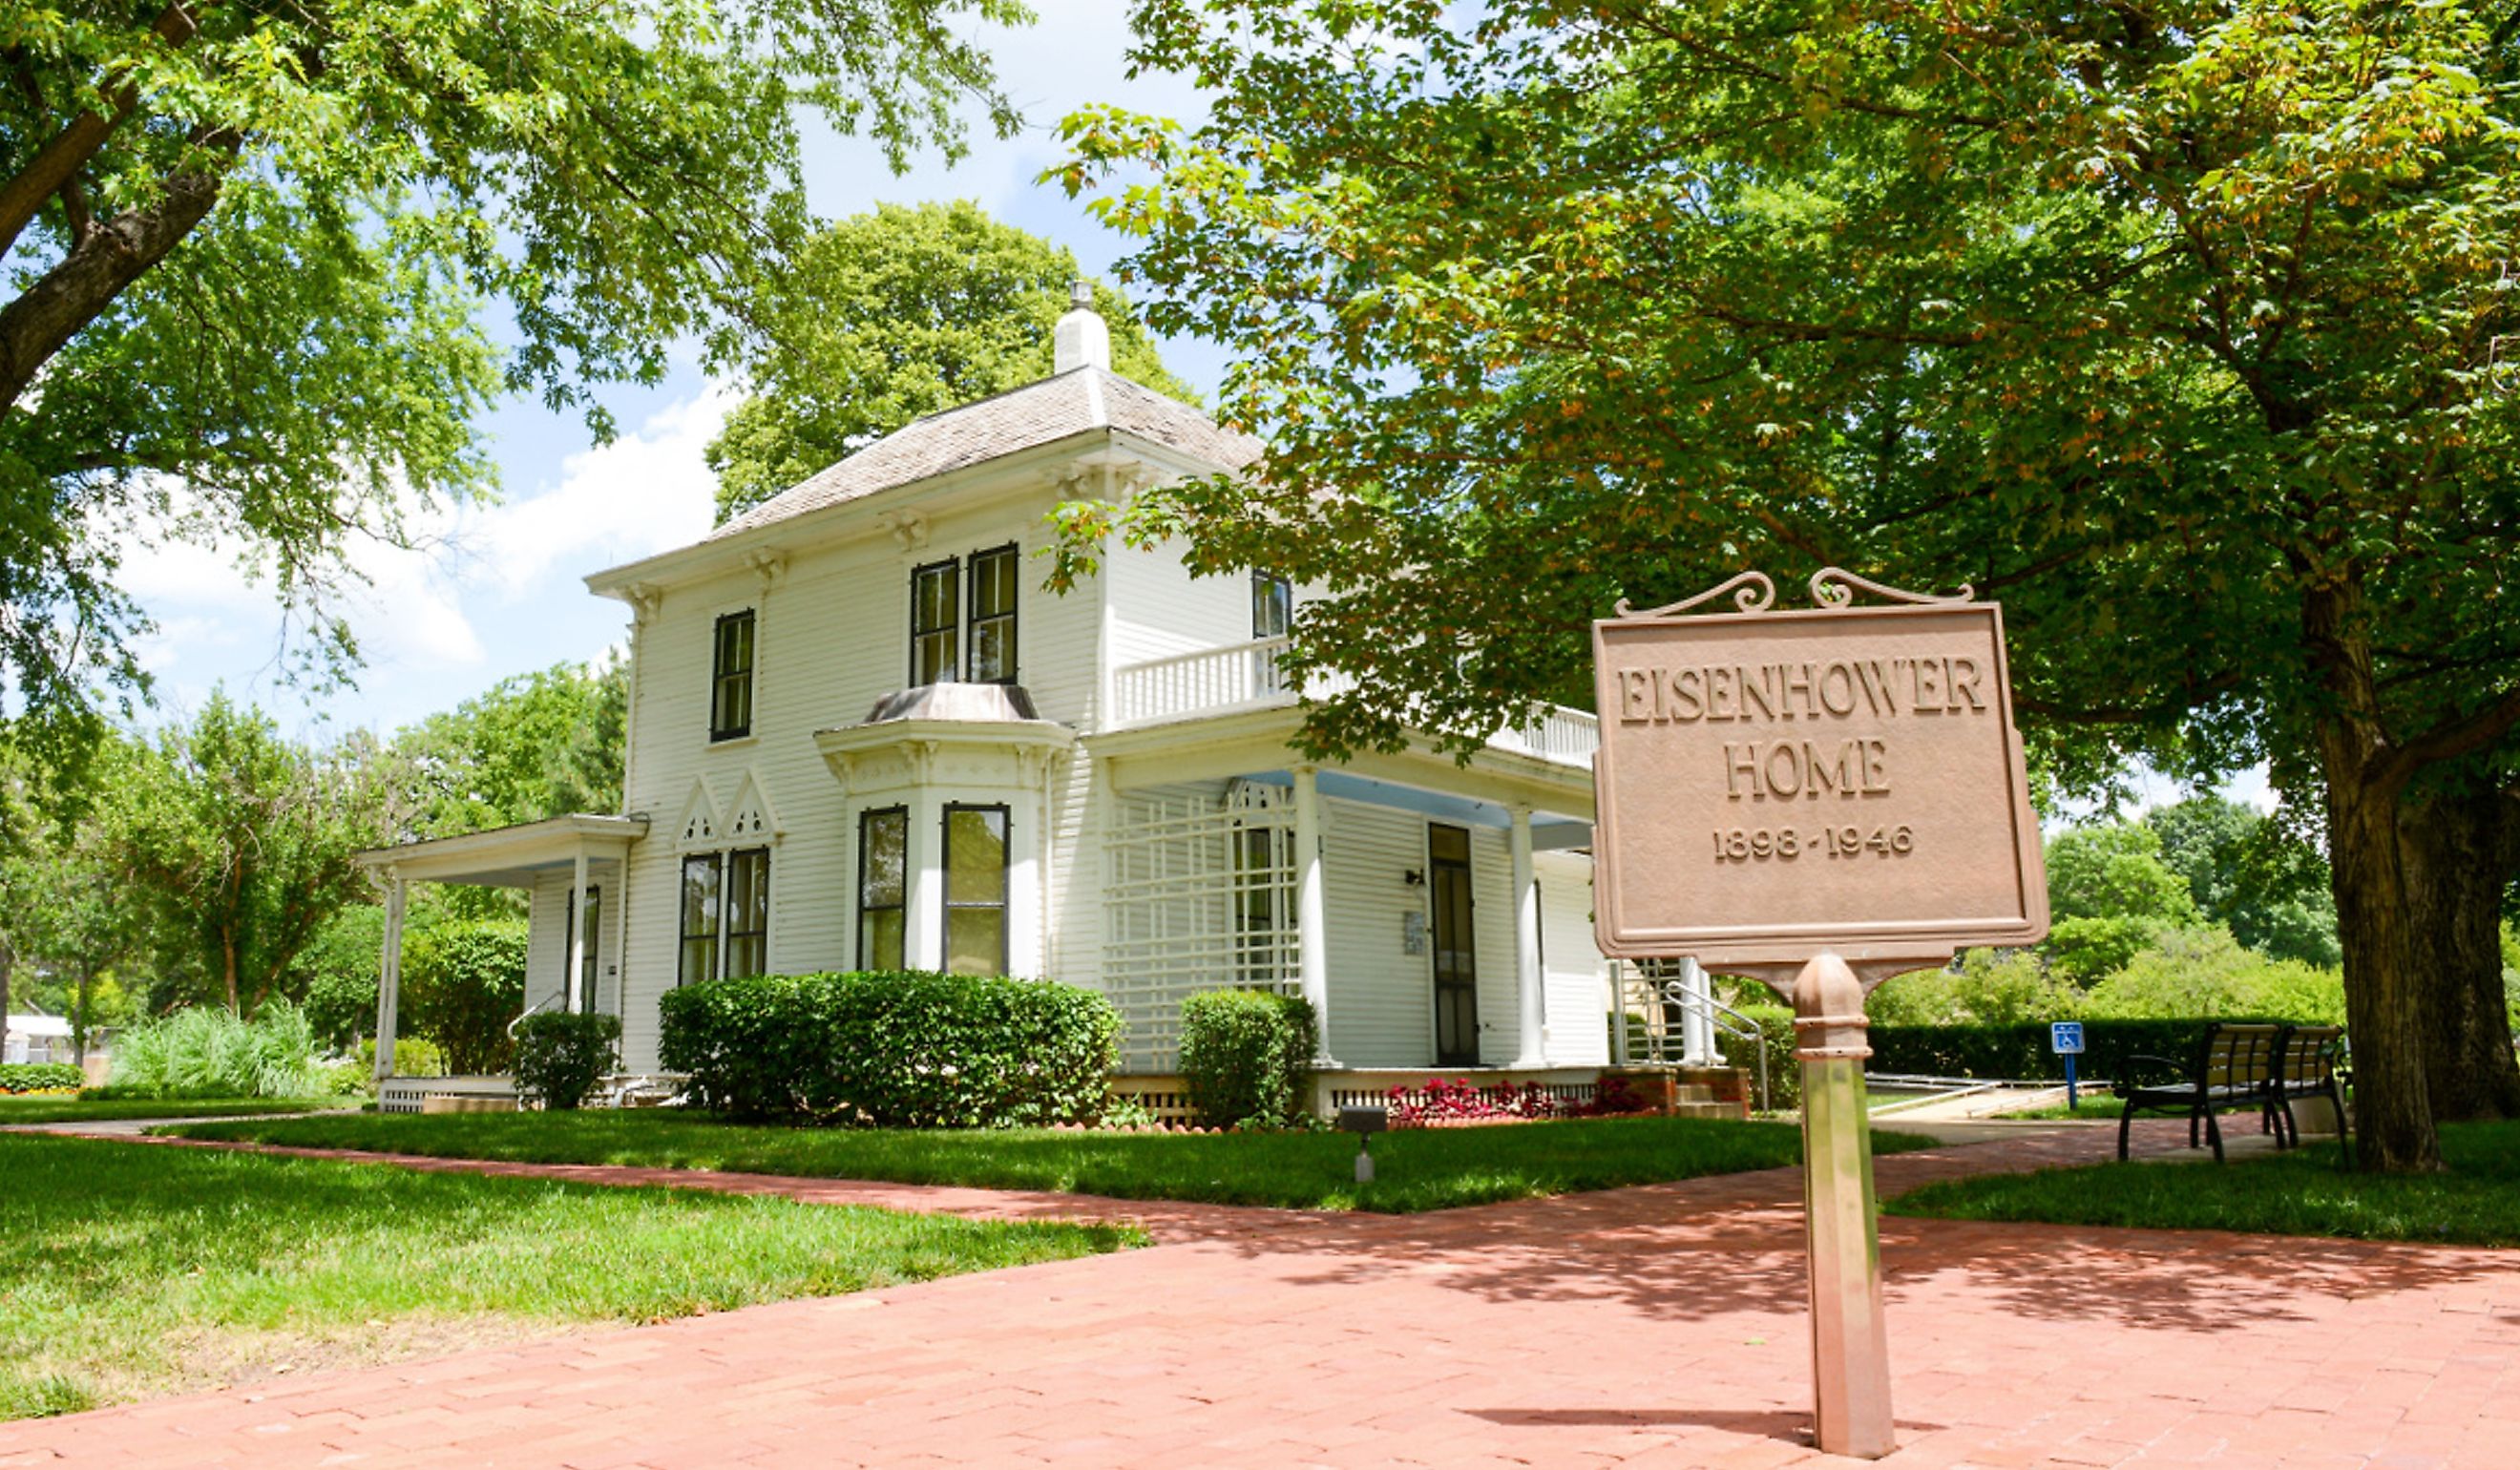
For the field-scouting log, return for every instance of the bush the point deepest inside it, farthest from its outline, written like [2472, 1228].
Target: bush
[893, 1049]
[561, 1056]
[1776, 1025]
[210, 1051]
[1246, 1057]
[413, 1057]
[1989, 987]
[464, 980]
[40, 1077]
[2021, 1050]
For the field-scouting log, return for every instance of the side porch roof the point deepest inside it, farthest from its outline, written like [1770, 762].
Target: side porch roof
[508, 856]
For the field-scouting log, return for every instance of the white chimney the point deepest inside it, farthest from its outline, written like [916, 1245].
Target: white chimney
[1082, 339]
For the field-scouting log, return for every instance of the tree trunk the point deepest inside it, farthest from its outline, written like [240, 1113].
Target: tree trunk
[8, 962]
[228, 967]
[78, 1017]
[2393, 1117]
[2458, 848]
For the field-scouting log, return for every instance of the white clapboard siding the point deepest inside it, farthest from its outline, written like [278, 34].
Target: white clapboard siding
[832, 637]
[1578, 994]
[1159, 610]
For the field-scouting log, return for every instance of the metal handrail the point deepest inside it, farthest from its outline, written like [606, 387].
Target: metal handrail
[1730, 1022]
[546, 1004]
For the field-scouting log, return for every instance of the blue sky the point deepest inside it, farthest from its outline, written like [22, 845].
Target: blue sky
[498, 592]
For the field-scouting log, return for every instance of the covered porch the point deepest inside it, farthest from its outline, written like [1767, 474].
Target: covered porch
[571, 869]
[1435, 913]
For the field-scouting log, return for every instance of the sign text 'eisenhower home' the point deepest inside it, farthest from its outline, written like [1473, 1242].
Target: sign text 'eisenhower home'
[1781, 694]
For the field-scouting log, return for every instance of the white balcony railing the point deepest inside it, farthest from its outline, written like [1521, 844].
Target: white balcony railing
[1248, 676]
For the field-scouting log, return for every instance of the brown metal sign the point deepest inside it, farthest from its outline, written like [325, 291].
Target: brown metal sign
[1775, 784]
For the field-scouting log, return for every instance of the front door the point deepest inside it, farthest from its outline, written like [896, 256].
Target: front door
[1457, 970]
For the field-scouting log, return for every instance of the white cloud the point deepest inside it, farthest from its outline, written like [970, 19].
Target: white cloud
[420, 611]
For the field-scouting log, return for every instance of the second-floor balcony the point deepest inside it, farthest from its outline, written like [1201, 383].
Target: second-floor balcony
[1249, 676]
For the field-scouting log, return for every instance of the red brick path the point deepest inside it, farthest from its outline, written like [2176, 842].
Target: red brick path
[1651, 1327]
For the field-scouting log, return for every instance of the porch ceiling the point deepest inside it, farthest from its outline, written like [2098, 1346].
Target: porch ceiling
[1256, 740]
[509, 857]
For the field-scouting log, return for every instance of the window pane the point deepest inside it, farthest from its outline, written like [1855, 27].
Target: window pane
[1448, 844]
[933, 598]
[701, 878]
[993, 583]
[976, 941]
[932, 658]
[1271, 603]
[993, 651]
[975, 855]
[885, 837]
[880, 939]
[744, 953]
[731, 689]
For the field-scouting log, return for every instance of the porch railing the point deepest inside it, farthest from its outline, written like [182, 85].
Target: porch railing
[1249, 676]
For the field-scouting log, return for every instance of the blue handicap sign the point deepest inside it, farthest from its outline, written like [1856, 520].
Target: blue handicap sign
[2065, 1038]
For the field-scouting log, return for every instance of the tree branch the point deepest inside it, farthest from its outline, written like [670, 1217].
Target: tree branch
[66, 298]
[58, 162]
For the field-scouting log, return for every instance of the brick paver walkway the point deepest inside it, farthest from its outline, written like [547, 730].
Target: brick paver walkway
[1651, 1327]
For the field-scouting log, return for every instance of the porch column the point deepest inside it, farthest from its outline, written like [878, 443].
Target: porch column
[1311, 937]
[390, 979]
[621, 906]
[568, 981]
[1530, 988]
[1697, 1021]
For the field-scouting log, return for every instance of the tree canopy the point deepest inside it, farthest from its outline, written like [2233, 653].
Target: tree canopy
[254, 250]
[2184, 328]
[886, 317]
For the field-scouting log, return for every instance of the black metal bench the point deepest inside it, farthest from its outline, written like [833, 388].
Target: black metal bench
[2308, 1066]
[2234, 1064]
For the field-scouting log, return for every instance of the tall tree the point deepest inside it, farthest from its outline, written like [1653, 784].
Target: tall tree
[882, 318]
[2251, 876]
[531, 746]
[2181, 327]
[250, 246]
[238, 845]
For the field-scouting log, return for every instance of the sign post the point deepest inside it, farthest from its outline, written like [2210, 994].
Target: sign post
[2065, 1038]
[1817, 799]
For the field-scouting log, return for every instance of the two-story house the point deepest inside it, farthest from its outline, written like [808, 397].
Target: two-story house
[862, 736]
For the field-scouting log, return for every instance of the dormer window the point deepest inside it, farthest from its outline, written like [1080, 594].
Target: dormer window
[731, 682]
[935, 623]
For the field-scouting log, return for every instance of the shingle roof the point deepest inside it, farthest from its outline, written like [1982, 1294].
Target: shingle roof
[1072, 403]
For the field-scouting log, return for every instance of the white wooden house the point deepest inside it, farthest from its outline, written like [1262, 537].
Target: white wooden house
[862, 736]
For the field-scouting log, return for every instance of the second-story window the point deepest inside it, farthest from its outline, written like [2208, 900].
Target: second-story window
[1273, 606]
[992, 616]
[731, 686]
[935, 623]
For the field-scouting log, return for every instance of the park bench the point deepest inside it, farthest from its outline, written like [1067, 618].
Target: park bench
[2234, 1064]
[2307, 1066]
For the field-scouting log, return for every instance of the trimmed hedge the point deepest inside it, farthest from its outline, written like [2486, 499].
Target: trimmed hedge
[893, 1049]
[561, 1056]
[2013, 1051]
[1246, 1057]
[40, 1077]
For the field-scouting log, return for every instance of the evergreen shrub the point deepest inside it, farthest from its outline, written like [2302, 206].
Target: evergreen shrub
[39, 1077]
[561, 1056]
[1246, 1057]
[893, 1049]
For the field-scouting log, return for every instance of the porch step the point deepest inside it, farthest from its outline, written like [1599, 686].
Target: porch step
[1730, 1112]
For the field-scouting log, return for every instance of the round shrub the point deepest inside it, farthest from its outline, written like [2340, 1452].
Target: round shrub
[1246, 1057]
[560, 1057]
[893, 1049]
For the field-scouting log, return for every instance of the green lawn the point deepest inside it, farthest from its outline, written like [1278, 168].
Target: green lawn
[72, 1110]
[129, 1270]
[1430, 1169]
[2299, 1193]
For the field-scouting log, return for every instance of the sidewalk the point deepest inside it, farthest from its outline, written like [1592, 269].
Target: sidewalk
[1654, 1327]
